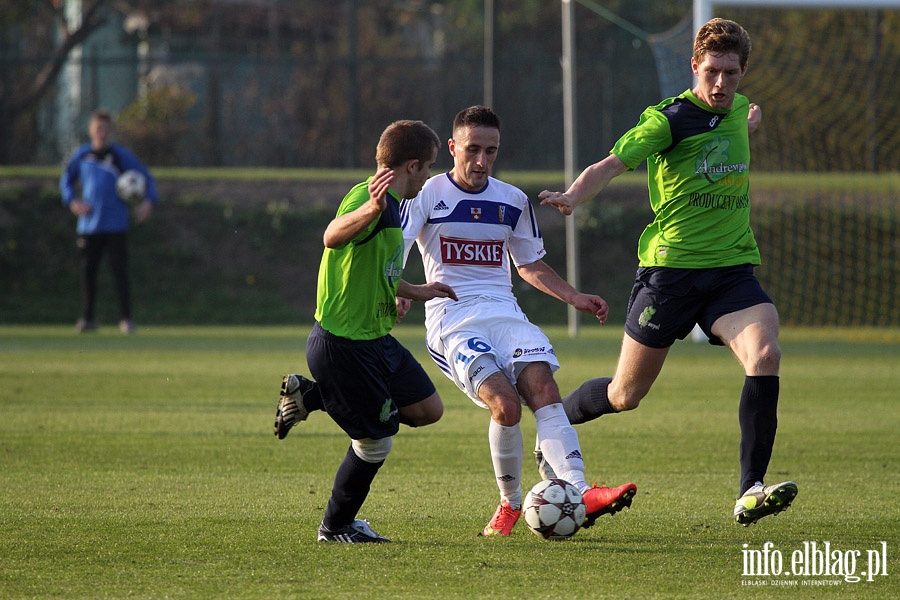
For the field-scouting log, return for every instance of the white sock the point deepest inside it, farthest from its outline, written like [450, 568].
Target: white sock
[506, 454]
[559, 443]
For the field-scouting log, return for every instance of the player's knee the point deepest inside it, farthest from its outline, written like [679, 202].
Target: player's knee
[506, 412]
[548, 390]
[626, 403]
[431, 414]
[773, 354]
[372, 451]
[423, 413]
[766, 361]
[626, 398]
[436, 413]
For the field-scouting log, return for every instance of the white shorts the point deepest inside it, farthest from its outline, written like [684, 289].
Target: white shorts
[462, 335]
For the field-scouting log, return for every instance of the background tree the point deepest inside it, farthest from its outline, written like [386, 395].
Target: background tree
[27, 31]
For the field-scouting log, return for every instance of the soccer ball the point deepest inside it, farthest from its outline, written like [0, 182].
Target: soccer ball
[131, 186]
[554, 509]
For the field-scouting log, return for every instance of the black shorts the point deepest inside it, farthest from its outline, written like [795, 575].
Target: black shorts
[364, 382]
[666, 303]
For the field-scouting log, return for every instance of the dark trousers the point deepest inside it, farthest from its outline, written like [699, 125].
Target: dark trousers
[92, 248]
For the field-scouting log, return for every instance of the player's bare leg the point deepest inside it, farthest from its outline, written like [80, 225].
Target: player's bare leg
[752, 336]
[428, 411]
[636, 372]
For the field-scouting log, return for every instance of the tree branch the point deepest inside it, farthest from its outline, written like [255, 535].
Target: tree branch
[91, 21]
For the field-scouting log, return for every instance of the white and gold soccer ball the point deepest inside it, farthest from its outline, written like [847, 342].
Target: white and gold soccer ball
[131, 186]
[554, 509]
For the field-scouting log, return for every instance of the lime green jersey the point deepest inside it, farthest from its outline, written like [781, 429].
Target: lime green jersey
[698, 167]
[357, 286]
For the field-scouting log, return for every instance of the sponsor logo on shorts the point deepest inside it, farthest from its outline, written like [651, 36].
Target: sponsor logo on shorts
[387, 411]
[646, 315]
[520, 352]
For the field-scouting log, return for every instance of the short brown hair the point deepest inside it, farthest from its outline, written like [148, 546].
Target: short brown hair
[406, 140]
[101, 114]
[476, 116]
[721, 36]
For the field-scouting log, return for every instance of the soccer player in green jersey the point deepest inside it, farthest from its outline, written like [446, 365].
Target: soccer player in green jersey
[696, 258]
[365, 380]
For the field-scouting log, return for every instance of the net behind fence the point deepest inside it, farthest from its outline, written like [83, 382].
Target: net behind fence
[827, 84]
[830, 254]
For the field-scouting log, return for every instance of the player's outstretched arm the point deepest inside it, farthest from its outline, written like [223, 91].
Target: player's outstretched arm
[591, 304]
[425, 292]
[590, 183]
[542, 276]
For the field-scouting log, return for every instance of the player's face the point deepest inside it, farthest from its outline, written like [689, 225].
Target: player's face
[419, 172]
[99, 131]
[474, 150]
[718, 76]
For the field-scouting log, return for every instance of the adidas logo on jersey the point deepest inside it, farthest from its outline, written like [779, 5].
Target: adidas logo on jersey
[441, 206]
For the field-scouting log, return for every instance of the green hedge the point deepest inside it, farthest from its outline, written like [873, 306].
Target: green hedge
[246, 251]
[196, 261]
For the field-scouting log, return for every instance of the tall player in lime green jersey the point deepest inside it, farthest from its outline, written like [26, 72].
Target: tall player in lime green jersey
[696, 258]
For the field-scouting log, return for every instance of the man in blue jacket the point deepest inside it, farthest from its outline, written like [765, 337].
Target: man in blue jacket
[88, 187]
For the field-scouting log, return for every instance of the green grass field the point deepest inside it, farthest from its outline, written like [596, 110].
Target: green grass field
[145, 467]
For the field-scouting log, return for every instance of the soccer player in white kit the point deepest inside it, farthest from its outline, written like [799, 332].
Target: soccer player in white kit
[468, 227]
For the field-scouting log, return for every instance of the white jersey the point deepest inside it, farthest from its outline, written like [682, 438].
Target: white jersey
[466, 239]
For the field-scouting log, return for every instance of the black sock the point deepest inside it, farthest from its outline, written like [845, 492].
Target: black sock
[351, 486]
[758, 416]
[588, 401]
[312, 399]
